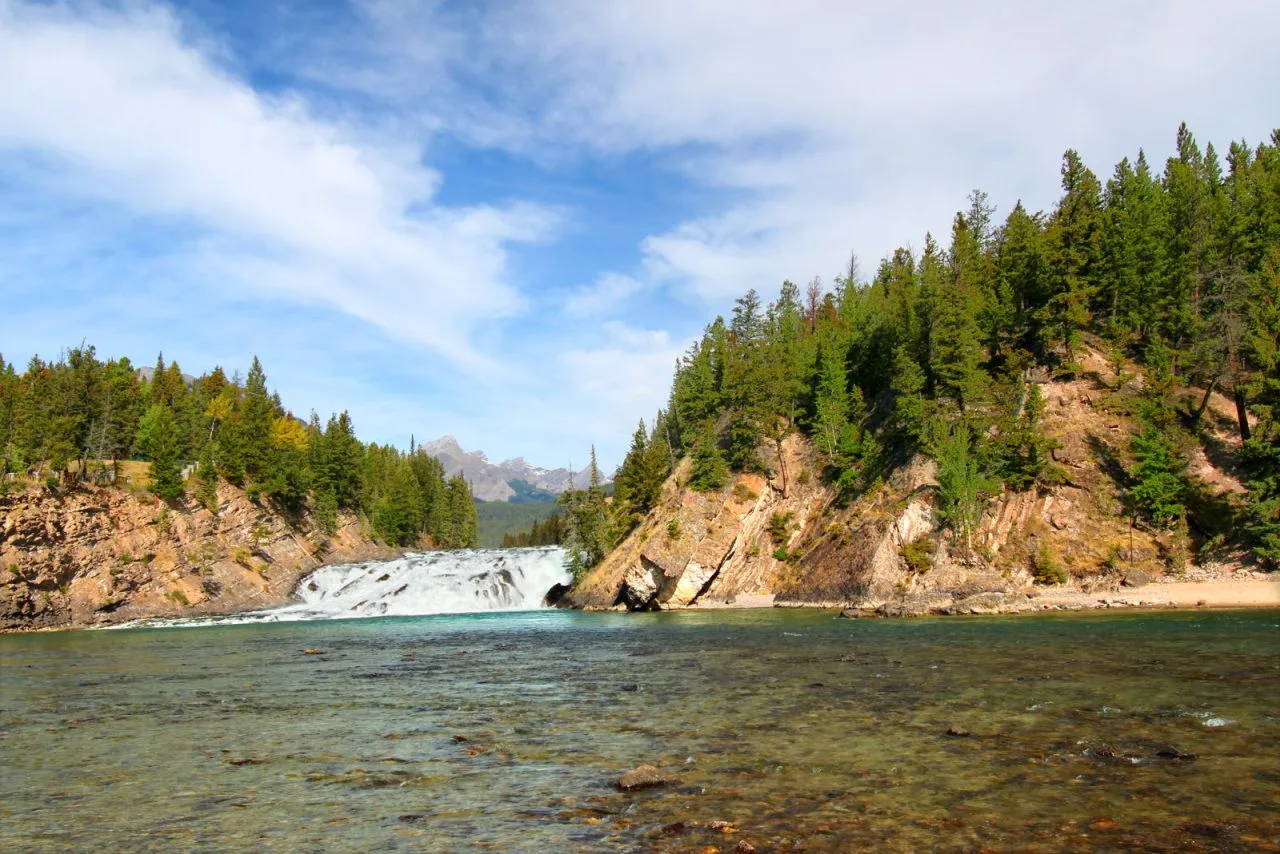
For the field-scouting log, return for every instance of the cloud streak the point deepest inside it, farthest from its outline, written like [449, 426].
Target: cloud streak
[380, 199]
[121, 108]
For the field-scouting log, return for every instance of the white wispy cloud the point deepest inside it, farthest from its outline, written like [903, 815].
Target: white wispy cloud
[846, 126]
[608, 293]
[166, 193]
[120, 107]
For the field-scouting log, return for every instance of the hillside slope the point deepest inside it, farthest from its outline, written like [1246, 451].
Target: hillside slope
[101, 555]
[887, 549]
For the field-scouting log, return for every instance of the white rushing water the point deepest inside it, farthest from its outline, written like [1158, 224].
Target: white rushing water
[454, 582]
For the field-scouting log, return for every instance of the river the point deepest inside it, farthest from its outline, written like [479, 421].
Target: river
[786, 730]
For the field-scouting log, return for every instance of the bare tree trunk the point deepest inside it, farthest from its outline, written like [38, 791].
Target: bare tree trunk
[782, 464]
[1242, 414]
[1204, 403]
[1130, 539]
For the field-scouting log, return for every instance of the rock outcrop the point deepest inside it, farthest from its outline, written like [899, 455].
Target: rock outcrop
[701, 547]
[101, 555]
[886, 553]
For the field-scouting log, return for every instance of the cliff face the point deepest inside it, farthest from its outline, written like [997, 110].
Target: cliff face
[762, 537]
[712, 547]
[102, 555]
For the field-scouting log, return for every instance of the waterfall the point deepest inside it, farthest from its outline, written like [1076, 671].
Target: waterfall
[453, 582]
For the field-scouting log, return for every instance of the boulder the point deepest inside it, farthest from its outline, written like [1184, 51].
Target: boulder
[1135, 577]
[641, 585]
[643, 777]
[554, 595]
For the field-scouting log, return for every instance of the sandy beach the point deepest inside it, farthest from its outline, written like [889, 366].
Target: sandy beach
[1229, 593]
[1254, 591]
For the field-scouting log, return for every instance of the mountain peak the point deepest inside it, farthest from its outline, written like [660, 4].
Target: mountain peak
[493, 481]
[444, 443]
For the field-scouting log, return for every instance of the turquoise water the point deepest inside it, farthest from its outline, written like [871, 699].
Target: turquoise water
[506, 732]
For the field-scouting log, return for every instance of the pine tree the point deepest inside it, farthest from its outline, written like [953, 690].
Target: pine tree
[658, 460]
[910, 407]
[1020, 451]
[207, 474]
[462, 514]
[397, 516]
[256, 417]
[955, 339]
[1132, 249]
[327, 512]
[287, 479]
[342, 457]
[1190, 186]
[960, 483]
[158, 441]
[588, 533]
[709, 470]
[1020, 285]
[1073, 238]
[1158, 490]
[831, 404]
[629, 482]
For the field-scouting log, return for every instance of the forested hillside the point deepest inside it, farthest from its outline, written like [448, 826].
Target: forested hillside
[1171, 272]
[502, 523]
[78, 419]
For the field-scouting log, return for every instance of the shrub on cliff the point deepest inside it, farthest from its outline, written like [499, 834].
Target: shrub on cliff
[1046, 568]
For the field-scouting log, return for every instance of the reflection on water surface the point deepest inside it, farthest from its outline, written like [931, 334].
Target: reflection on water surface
[793, 731]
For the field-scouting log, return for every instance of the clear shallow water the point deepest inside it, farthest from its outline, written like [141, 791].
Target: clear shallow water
[802, 731]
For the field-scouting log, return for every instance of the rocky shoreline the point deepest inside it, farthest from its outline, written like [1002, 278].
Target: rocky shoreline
[1244, 589]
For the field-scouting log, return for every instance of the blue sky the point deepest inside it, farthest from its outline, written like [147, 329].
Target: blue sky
[505, 220]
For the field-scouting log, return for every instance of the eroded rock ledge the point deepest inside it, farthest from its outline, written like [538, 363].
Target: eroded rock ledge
[101, 555]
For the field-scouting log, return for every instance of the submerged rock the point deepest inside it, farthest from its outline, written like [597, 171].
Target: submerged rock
[1174, 755]
[643, 777]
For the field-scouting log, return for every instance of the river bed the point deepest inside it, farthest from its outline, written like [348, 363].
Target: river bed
[789, 730]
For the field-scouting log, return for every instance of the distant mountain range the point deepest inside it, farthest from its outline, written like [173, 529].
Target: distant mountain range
[516, 481]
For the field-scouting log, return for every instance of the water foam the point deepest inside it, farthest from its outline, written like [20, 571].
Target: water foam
[453, 582]
[466, 581]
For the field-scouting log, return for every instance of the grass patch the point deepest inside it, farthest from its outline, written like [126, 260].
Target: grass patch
[919, 553]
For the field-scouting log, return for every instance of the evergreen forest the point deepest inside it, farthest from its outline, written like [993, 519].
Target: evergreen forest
[1172, 268]
[79, 419]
